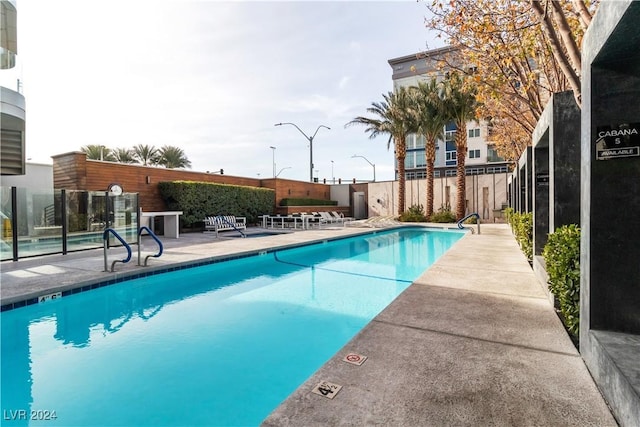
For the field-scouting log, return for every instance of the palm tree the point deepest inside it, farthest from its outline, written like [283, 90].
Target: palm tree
[173, 157]
[98, 152]
[147, 155]
[394, 119]
[461, 104]
[431, 119]
[124, 155]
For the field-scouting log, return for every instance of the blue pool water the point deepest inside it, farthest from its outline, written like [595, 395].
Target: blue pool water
[221, 344]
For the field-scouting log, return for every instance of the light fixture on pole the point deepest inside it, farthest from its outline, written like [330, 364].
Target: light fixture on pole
[310, 139]
[273, 159]
[374, 166]
[333, 178]
[278, 174]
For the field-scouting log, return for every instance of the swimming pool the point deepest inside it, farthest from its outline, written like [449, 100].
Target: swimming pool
[221, 344]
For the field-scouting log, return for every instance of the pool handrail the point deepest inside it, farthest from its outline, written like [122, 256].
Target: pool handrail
[462, 227]
[154, 237]
[105, 239]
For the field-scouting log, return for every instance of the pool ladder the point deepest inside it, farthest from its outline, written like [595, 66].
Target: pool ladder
[105, 241]
[154, 237]
[462, 227]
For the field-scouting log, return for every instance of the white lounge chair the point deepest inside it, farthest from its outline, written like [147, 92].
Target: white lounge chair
[344, 219]
[225, 223]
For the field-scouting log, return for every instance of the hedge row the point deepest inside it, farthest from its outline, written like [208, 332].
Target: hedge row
[200, 199]
[562, 258]
[522, 227]
[307, 202]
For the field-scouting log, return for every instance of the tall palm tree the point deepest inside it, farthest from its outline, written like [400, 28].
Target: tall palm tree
[146, 154]
[460, 99]
[431, 118]
[124, 155]
[173, 157]
[393, 118]
[98, 152]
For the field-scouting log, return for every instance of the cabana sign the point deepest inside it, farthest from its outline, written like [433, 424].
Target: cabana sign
[616, 141]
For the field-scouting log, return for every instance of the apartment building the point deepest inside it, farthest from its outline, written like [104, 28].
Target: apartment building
[12, 106]
[481, 159]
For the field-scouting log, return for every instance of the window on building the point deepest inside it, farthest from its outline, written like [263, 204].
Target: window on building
[450, 172]
[449, 135]
[450, 158]
[474, 154]
[409, 161]
[474, 133]
[436, 174]
[492, 155]
[474, 171]
[497, 169]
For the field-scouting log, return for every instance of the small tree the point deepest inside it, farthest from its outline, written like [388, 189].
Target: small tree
[98, 152]
[394, 119]
[460, 105]
[173, 157]
[147, 155]
[431, 118]
[124, 155]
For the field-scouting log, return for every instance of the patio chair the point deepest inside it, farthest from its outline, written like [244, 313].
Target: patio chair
[344, 219]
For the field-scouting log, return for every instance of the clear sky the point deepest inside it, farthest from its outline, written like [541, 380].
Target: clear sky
[214, 77]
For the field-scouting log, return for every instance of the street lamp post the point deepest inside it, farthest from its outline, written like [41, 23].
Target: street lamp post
[273, 159]
[333, 178]
[310, 139]
[278, 174]
[374, 166]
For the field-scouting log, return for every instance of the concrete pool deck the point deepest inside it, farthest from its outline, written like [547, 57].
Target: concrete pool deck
[473, 341]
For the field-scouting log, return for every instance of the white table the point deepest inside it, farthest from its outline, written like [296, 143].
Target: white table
[171, 222]
[270, 221]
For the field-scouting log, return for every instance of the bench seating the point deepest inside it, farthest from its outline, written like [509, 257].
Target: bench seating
[224, 223]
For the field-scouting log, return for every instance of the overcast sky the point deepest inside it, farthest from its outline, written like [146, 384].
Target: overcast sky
[214, 77]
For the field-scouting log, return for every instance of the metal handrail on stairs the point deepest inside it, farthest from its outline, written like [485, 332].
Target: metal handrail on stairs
[154, 237]
[105, 240]
[462, 227]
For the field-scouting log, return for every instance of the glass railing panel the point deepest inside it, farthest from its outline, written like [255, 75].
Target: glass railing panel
[6, 232]
[86, 219]
[125, 219]
[39, 228]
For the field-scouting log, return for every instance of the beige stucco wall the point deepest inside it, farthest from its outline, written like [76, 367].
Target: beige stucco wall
[484, 194]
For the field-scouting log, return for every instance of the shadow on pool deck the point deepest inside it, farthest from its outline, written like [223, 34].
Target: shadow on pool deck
[474, 341]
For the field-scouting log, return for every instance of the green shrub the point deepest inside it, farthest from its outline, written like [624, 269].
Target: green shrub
[471, 220]
[522, 227]
[444, 214]
[508, 212]
[562, 258]
[200, 199]
[307, 202]
[414, 214]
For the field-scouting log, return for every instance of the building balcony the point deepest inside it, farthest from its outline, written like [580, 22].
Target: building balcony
[12, 121]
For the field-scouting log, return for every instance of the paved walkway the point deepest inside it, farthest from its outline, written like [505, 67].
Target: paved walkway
[472, 342]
